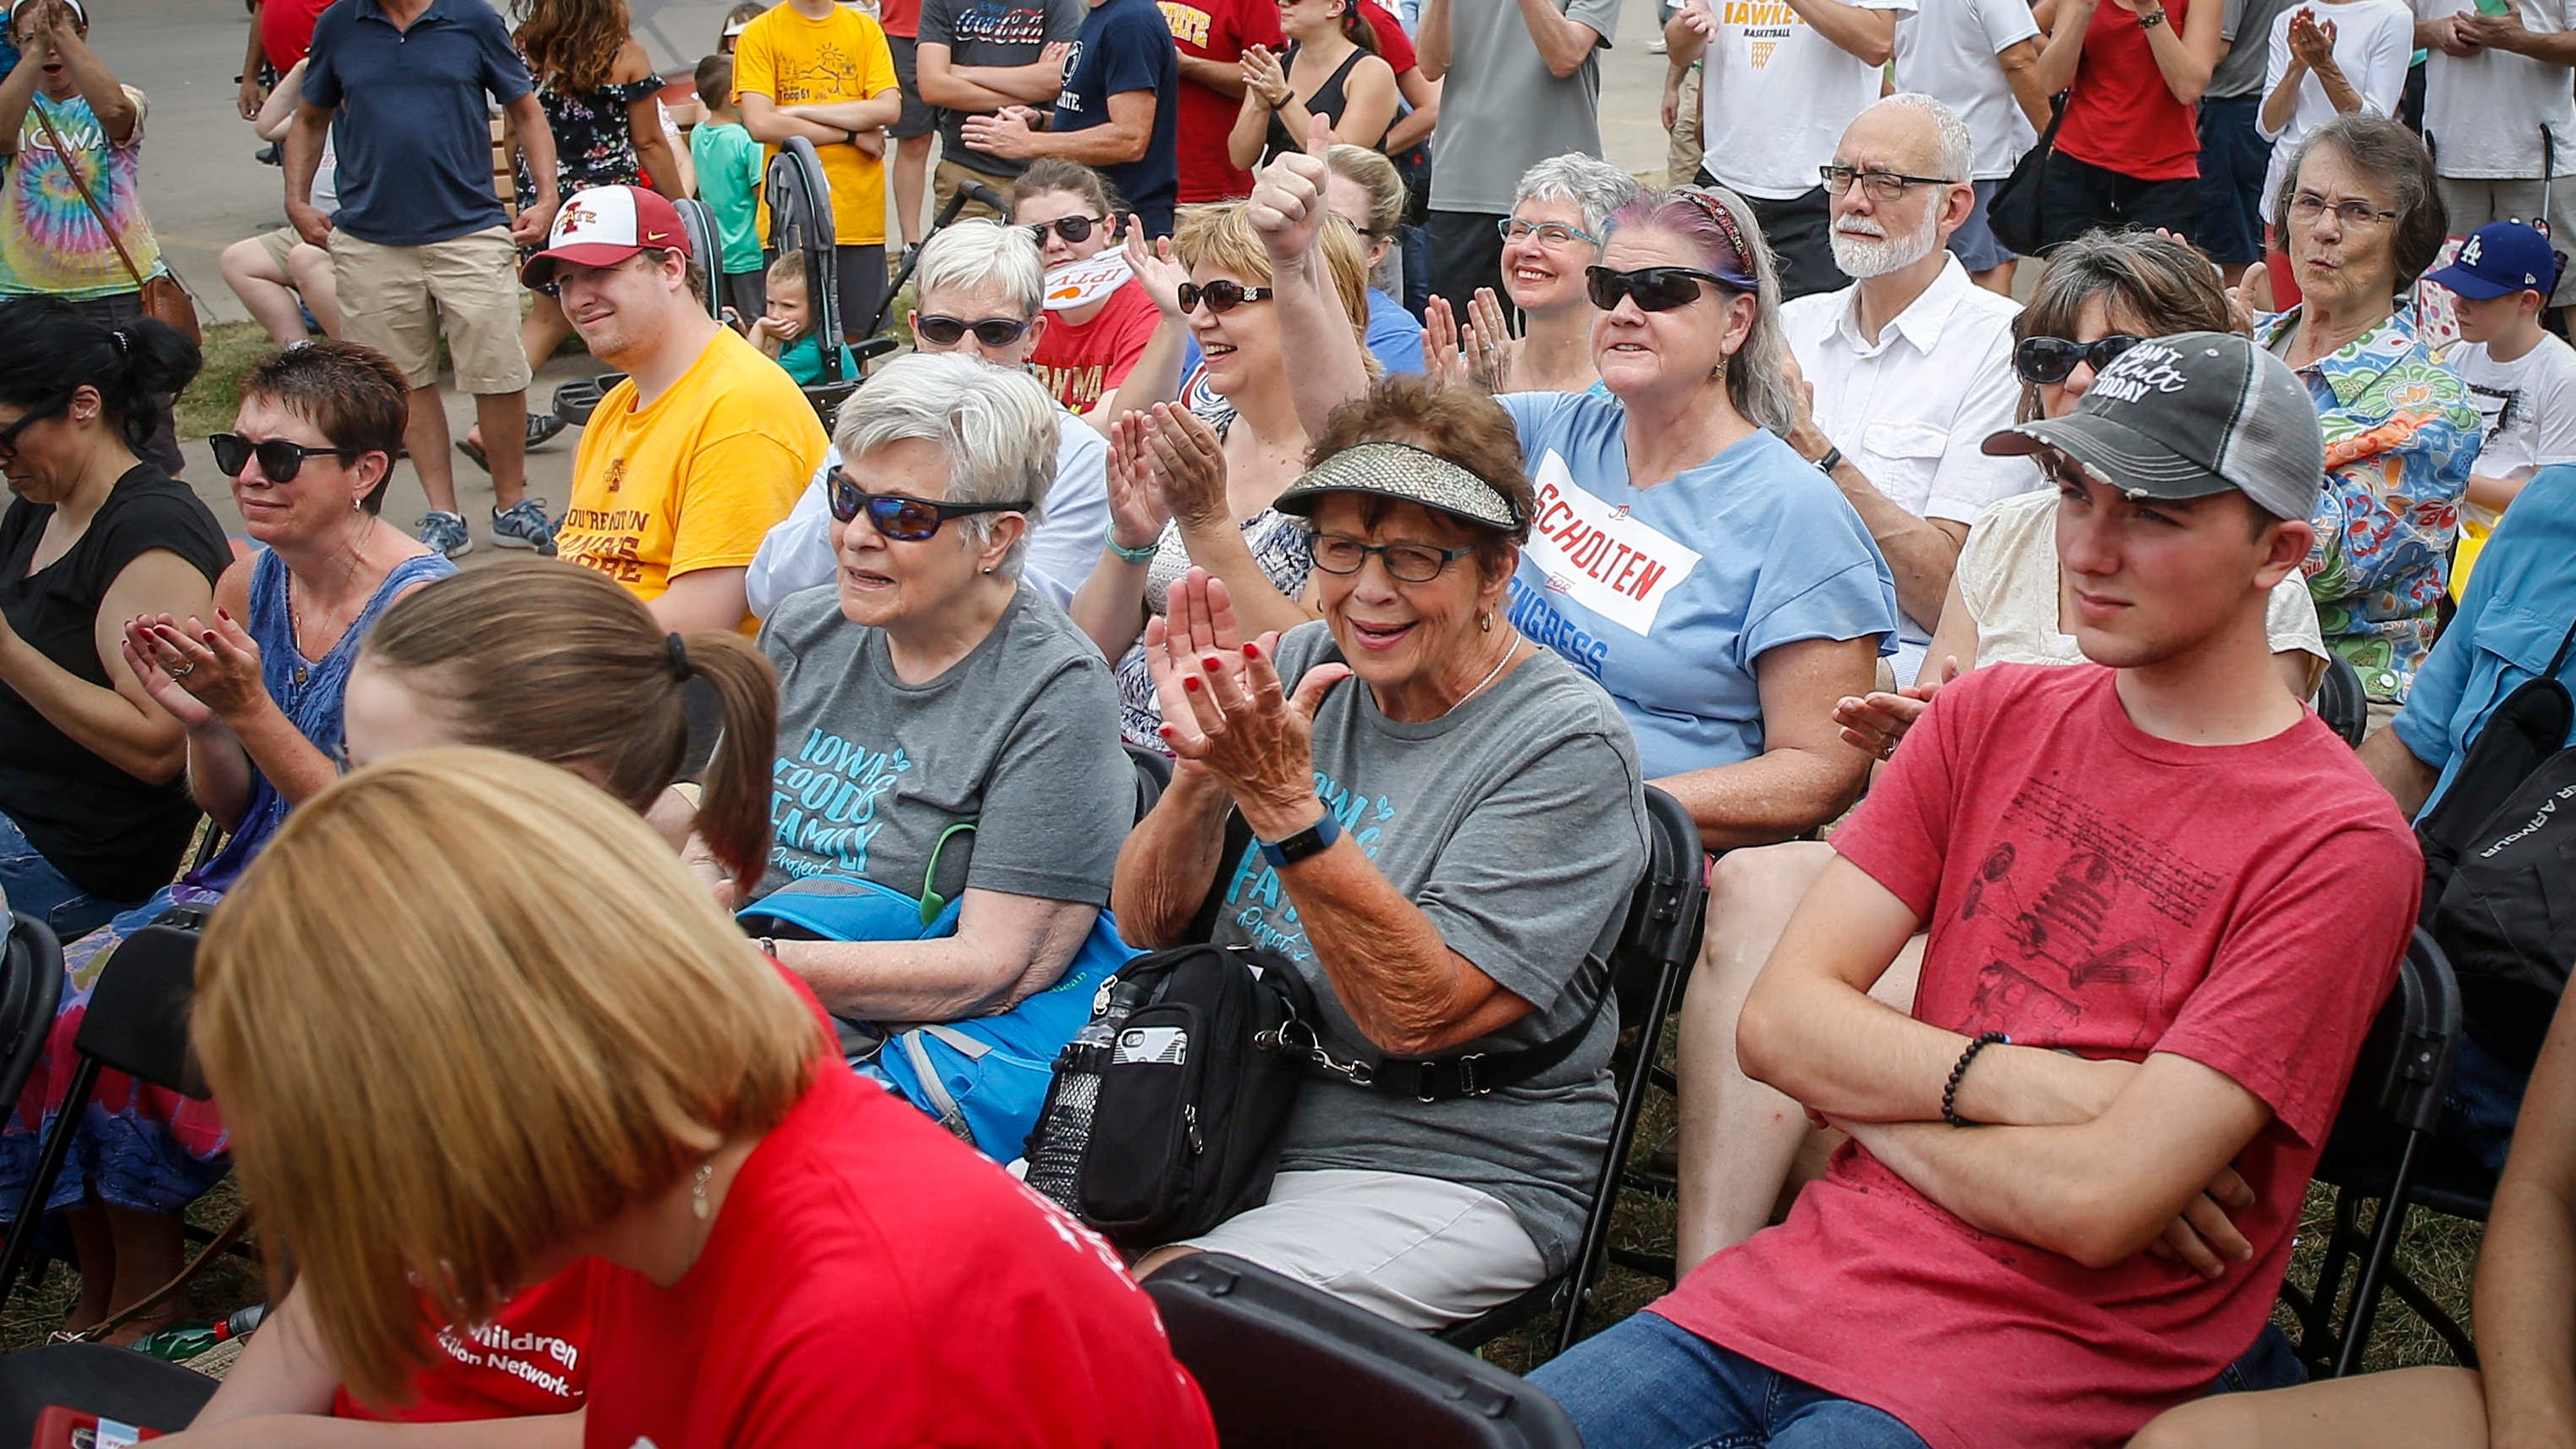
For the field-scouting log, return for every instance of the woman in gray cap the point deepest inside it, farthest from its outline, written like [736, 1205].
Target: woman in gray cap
[1446, 821]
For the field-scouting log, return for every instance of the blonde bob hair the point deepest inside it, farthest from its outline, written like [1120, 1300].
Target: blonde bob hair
[1221, 235]
[463, 1011]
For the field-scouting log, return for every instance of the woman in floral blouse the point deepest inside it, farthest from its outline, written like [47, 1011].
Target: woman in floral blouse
[2360, 221]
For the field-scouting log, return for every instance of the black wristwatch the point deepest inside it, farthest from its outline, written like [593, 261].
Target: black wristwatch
[1315, 839]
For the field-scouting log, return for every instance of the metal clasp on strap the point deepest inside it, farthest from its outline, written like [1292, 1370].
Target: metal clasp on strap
[1468, 1086]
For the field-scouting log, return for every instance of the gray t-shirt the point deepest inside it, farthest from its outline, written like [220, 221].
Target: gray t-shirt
[1516, 822]
[1020, 737]
[1501, 112]
[995, 33]
[2248, 29]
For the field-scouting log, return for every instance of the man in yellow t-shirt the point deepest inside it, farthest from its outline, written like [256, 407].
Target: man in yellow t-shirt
[822, 70]
[688, 463]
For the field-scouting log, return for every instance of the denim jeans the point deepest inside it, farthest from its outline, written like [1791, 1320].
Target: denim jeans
[1646, 1384]
[30, 885]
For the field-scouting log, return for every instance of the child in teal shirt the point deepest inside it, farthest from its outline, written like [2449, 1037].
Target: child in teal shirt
[728, 166]
[786, 330]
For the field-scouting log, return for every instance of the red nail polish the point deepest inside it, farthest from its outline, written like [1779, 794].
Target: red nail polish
[1165, 731]
[1251, 651]
[1190, 683]
[1209, 664]
[220, 614]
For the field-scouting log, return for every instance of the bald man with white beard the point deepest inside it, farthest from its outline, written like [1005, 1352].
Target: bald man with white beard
[1908, 369]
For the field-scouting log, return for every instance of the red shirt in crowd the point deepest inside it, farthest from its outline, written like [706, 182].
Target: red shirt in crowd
[900, 17]
[286, 29]
[2092, 887]
[532, 1358]
[1393, 45]
[1081, 365]
[2120, 115]
[1215, 30]
[872, 1281]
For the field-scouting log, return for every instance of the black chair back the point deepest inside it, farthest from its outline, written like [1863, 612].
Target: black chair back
[2340, 702]
[113, 1383]
[1285, 1365]
[1153, 777]
[137, 1022]
[31, 988]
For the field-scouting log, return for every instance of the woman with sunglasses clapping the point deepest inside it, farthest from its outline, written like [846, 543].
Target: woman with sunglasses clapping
[945, 733]
[257, 682]
[93, 813]
[1683, 555]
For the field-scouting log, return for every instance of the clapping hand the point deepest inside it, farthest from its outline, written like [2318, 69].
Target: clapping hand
[1263, 76]
[1455, 356]
[1287, 202]
[1225, 711]
[2312, 41]
[1137, 512]
[1874, 722]
[1157, 270]
[198, 674]
[1188, 462]
[1488, 342]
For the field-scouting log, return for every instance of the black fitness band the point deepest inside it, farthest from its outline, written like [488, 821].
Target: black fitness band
[1950, 1093]
[1833, 459]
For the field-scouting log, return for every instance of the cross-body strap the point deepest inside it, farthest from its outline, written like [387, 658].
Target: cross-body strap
[71, 168]
[1474, 1074]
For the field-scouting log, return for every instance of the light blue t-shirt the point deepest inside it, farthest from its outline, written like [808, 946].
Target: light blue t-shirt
[1667, 595]
[2514, 619]
[1394, 335]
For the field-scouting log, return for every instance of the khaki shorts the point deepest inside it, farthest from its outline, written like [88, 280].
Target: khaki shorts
[276, 244]
[952, 176]
[394, 299]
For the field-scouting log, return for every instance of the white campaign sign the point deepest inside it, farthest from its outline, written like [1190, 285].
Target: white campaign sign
[1079, 284]
[1599, 556]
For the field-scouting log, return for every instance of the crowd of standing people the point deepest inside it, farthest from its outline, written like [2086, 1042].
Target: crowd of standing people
[1957, 492]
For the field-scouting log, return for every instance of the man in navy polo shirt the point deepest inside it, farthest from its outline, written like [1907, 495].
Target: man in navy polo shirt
[1119, 111]
[421, 239]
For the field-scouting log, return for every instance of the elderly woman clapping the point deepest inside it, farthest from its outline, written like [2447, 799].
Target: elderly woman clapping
[1446, 820]
[2360, 219]
[945, 734]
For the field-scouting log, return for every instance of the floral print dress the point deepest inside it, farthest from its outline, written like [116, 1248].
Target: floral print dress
[2400, 435]
[594, 140]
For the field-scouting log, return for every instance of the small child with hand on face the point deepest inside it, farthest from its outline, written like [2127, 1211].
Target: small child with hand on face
[786, 330]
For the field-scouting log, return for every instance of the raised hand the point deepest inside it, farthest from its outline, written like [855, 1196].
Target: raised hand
[1263, 76]
[1137, 512]
[1489, 345]
[1443, 354]
[1287, 202]
[1156, 269]
[1188, 465]
[1224, 707]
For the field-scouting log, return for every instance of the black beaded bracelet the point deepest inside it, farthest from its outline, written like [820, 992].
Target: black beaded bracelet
[1950, 1093]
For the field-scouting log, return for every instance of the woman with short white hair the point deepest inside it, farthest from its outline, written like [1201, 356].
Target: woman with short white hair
[1559, 215]
[945, 732]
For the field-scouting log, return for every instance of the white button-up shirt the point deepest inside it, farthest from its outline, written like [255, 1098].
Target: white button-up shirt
[1912, 409]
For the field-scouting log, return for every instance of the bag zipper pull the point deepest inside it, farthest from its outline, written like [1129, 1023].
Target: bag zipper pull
[1190, 1126]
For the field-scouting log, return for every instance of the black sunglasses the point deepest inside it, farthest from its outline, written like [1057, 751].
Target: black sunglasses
[1654, 289]
[906, 520]
[1071, 228]
[1220, 295]
[279, 460]
[9, 434]
[2053, 359]
[941, 331]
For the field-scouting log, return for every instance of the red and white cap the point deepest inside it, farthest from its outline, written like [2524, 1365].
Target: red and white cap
[605, 225]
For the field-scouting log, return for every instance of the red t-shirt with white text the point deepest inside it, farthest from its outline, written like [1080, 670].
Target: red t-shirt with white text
[1215, 30]
[870, 1280]
[2092, 887]
[2120, 114]
[530, 1359]
[1081, 365]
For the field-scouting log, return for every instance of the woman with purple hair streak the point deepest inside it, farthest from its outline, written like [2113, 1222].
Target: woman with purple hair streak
[1682, 554]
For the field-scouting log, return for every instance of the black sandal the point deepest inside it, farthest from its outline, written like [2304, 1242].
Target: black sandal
[542, 428]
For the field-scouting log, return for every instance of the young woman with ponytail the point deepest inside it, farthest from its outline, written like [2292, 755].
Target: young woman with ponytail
[93, 813]
[561, 664]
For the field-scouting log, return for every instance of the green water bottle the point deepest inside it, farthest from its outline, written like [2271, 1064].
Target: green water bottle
[183, 1341]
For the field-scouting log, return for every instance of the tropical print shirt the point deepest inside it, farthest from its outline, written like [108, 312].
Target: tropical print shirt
[2400, 437]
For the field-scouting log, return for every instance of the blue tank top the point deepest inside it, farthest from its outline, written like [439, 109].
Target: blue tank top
[310, 691]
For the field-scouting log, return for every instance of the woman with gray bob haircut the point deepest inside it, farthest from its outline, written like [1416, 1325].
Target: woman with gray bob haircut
[945, 733]
[1560, 213]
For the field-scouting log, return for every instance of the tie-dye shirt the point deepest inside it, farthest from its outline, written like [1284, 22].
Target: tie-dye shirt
[50, 241]
[2400, 436]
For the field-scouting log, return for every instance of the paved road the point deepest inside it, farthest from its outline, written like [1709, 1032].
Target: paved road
[204, 191]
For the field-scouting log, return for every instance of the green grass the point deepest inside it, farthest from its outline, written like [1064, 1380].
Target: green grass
[231, 349]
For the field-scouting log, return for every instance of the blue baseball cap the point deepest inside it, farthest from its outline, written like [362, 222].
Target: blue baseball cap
[2499, 258]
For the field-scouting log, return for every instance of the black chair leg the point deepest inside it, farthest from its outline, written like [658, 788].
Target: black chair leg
[2317, 1343]
[1623, 1131]
[40, 1185]
[2374, 1265]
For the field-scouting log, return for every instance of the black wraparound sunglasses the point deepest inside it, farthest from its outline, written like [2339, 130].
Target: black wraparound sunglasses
[1071, 228]
[279, 460]
[2053, 359]
[1654, 289]
[903, 519]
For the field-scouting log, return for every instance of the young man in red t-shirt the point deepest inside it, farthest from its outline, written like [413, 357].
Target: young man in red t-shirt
[2164, 904]
[1211, 36]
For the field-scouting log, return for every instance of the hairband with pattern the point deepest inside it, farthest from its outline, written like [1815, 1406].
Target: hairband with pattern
[1715, 210]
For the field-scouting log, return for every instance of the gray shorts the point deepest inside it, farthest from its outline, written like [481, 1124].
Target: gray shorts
[2474, 201]
[1418, 1250]
[1974, 243]
[917, 119]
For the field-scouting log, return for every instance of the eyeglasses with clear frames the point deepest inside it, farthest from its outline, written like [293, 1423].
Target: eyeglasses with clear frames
[2307, 206]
